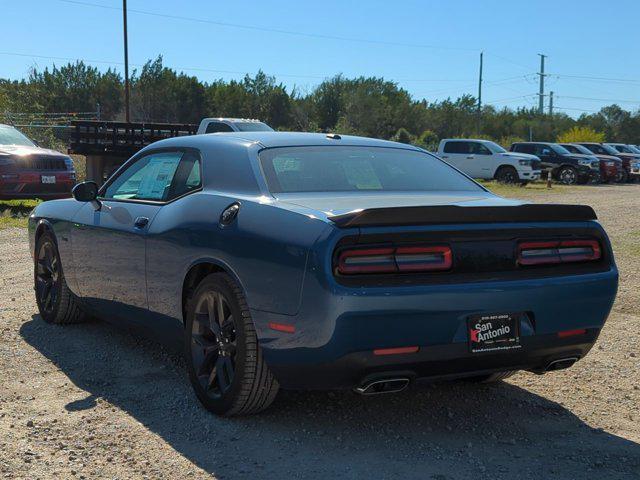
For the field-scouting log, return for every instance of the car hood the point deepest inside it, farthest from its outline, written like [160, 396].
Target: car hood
[23, 151]
[323, 205]
[608, 158]
[517, 155]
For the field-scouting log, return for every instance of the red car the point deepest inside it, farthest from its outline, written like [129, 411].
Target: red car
[611, 168]
[28, 171]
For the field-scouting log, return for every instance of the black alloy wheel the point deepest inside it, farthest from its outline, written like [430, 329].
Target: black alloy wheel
[224, 360]
[56, 302]
[47, 278]
[213, 338]
[507, 175]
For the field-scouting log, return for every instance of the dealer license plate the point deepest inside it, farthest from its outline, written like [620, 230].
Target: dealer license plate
[494, 333]
[48, 178]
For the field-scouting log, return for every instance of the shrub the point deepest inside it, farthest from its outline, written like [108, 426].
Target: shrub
[581, 134]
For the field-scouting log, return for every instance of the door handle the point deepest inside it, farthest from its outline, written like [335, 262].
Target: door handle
[470, 157]
[445, 156]
[141, 222]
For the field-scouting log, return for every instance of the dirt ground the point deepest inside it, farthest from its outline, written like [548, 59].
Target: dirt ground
[95, 401]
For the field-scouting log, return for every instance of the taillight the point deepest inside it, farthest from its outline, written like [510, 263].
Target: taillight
[412, 259]
[558, 251]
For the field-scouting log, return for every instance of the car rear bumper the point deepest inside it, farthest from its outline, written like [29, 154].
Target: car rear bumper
[437, 362]
[31, 184]
[335, 336]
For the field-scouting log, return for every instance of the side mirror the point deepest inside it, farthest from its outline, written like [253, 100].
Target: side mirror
[87, 192]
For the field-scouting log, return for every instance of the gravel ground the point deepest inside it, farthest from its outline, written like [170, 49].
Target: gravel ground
[96, 401]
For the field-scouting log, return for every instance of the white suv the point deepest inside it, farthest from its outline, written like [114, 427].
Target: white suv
[488, 160]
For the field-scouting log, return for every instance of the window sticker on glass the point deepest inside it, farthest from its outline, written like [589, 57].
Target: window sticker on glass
[158, 176]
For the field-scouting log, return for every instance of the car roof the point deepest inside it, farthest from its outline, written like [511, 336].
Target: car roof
[276, 139]
[466, 140]
[231, 120]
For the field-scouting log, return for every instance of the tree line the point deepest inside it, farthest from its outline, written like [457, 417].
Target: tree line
[368, 106]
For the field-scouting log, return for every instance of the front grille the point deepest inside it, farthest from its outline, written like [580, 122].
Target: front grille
[41, 163]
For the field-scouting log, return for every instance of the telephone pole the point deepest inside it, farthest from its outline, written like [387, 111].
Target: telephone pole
[541, 94]
[551, 103]
[126, 62]
[480, 94]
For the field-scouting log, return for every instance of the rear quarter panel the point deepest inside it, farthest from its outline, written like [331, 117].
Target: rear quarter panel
[265, 249]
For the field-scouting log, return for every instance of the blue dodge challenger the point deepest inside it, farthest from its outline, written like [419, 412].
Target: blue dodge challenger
[312, 261]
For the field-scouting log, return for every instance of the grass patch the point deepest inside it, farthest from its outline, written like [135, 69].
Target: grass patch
[15, 213]
[530, 190]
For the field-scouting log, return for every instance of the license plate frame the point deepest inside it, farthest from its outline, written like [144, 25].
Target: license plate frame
[49, 179]
[497, 332]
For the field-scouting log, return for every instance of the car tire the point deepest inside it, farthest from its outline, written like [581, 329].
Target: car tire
[492, 377]
[506, 174]
[225, 363]
[56, 303]
[623, 177]
[568, 176]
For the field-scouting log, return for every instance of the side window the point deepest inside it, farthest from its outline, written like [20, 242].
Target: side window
[214, 127]
[571, 148]
[187, 178]
[456, 147]
[159, 176]
[478, 149]
[518, 147]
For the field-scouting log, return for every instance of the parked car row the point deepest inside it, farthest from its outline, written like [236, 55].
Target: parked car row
[568, 163]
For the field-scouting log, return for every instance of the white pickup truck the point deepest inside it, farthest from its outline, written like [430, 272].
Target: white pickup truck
[488, 160]
[213, 125]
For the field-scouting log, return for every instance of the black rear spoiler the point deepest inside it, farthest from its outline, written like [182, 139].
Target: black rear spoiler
[444, 214]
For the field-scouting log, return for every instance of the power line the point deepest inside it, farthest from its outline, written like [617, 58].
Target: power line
[270, 29]
[599, 99]
[599, 79]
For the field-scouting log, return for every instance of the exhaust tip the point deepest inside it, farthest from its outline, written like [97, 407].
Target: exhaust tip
[561, 364]
[387, 385]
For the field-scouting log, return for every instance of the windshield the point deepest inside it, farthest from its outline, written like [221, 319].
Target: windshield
[608, 149]
[581, 149]
[12, 136]
[560, 150]
[355, 169]
[494, 147]
[623, 149]
[633, 148]
[253, 127]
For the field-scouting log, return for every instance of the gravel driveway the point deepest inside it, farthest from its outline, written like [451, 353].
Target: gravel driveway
[97, 401]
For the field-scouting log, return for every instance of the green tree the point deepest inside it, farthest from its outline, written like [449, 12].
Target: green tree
[581, 134]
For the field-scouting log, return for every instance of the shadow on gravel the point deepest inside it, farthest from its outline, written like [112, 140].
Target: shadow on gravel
[445, 431]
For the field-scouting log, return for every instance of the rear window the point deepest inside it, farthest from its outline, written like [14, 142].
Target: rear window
[352, 169]
[253, 127]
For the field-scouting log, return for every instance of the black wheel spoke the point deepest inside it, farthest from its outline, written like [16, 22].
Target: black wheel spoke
[224, 375]
[213, 343]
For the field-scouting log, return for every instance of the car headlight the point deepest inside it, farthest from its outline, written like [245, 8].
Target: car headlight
[589, 163]
[525, 162]
[68, 163]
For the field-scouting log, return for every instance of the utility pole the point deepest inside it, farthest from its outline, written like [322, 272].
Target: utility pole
[551, 103]
[541, 94]
[480, 95]
[126, 63]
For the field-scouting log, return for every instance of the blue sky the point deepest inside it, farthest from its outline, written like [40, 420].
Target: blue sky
[431, 48]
